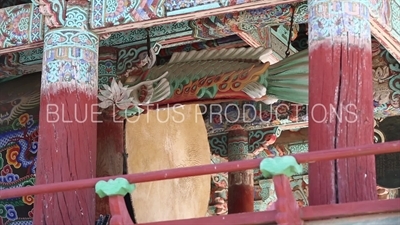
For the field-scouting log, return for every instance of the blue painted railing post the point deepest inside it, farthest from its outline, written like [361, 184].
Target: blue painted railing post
[340, 99]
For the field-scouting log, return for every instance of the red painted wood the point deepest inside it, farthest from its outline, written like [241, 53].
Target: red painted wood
[308, 213]
[310, 157]
[350, 209]
[67, 153]
[286, 206]
[241, 199]
[253, 218]
[321, 133]
[241, 183]
[356, 72]
[340, 83]
[110, 147]
[120, 215]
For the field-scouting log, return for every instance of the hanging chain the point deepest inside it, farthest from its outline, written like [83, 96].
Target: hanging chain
[290, 31]
[148, 41]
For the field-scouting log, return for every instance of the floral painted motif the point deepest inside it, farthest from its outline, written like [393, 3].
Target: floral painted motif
[381, 74]
[19, 25]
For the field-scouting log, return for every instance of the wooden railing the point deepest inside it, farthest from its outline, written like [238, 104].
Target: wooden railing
[286, 209]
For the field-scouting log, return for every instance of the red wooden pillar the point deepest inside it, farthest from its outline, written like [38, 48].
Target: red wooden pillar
[241, 184]
[340, 99]
[110, 133]
[68, 121]
[110, 150]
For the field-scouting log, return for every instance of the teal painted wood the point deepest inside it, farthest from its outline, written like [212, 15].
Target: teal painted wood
[288, 79]
[153, 9]
[55, 11]
[29, 61]
[70, 58]
[20, 25]
[395, 18]
[157, 33]
[194, 8]
[107, 67]
[247, 21]
[355, 22]
[114, 12]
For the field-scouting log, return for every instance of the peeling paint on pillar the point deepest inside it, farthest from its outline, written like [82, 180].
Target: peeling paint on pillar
[340, 99]
[241, 184]
[68, 129]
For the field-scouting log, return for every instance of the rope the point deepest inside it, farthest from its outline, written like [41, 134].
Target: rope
[148, 41]
[290, 31]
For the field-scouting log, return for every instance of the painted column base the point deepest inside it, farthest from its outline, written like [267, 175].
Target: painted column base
[241, 184]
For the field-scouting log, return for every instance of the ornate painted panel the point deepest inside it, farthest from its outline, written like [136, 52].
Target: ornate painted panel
[395, 18]
[176, 7]
[264, 193]
[19, 113]
[107, 67]
[386, 80]
[387, 13]
[228, 24]
[157, 33]
[20, 63]
[107, 13]
[20, 25]
[256, 115]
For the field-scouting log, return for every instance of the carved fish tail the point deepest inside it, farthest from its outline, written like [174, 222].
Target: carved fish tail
[288, 79]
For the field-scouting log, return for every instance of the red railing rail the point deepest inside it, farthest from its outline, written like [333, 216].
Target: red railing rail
[309, 157]
[286, 205]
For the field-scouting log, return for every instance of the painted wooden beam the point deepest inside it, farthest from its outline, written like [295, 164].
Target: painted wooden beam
[385, 25]
[21, 27]
[391, 43]
[18, 35]
[110, 18]
[17, 39]
[340, 108]
[118, 39]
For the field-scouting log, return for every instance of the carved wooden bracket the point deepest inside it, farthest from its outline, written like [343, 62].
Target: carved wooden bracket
[205, 77]
[54, 11]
